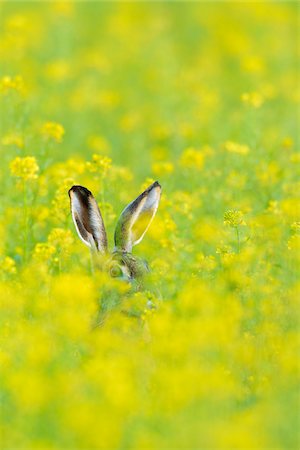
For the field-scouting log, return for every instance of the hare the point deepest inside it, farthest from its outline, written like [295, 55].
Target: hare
[131, 227]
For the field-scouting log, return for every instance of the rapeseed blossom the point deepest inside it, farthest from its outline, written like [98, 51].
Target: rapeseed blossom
[25, 168]
[43, 251]
[254, 99]
[234, 147]
[162, 168]
[8, 266]
[192, 158]
[234, 218]
[99, 164]
[53, 131]
[9, 83]
[13, 139]
[99, 144]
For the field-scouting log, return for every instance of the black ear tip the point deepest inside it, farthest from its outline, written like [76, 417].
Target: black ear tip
[79, 189]
[151, 187]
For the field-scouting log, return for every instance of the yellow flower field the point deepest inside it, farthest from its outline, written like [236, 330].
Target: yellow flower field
[203, 97]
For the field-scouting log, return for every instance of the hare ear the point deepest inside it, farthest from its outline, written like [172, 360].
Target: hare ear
[136, 218]
[87, 218]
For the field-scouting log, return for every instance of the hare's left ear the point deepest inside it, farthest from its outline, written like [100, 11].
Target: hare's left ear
[136, 218]
[87, 218]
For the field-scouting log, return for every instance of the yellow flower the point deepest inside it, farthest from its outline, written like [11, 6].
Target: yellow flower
[8, 266]
[100, 164]
[60, 238]
[119, 173]
[254, 99]
[234, 218]
[25, 168]
[107, 99]
[129, 121]
[268, 173]
[13, 139]
[63, 8]
[295, 158]
[253, 64]
[206, 263]
[273, 207]
[161, 131]
[185, 203]
[287, 142]
[61, 202]
[290, 208]
[53, 130]
[8, 83]
[167, 244]
[192, 158]
[58, 70]
[224, 249]
[295, 226]
[236, 180]
[186, 129]
[294, 243]
[98, 144]
[30, 390]
[234, 147]
[43, 251]
[162, 168]
[159, 153]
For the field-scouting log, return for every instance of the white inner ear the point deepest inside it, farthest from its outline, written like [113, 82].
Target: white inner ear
[148, 205]
[152, 200]
[76, 214]
[96, 224]
[76, 205]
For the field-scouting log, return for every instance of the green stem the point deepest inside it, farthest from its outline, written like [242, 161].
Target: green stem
[92, 261]
[102, 198]
[238, 239]
[59, 262]
[26, 222]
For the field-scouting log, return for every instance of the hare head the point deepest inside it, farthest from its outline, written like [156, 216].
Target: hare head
[131, 227]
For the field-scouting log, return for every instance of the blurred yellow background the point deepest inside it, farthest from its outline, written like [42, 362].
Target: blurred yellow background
[202, 96]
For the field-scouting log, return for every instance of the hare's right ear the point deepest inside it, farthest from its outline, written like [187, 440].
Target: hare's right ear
[136, 218]
[87, 218]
